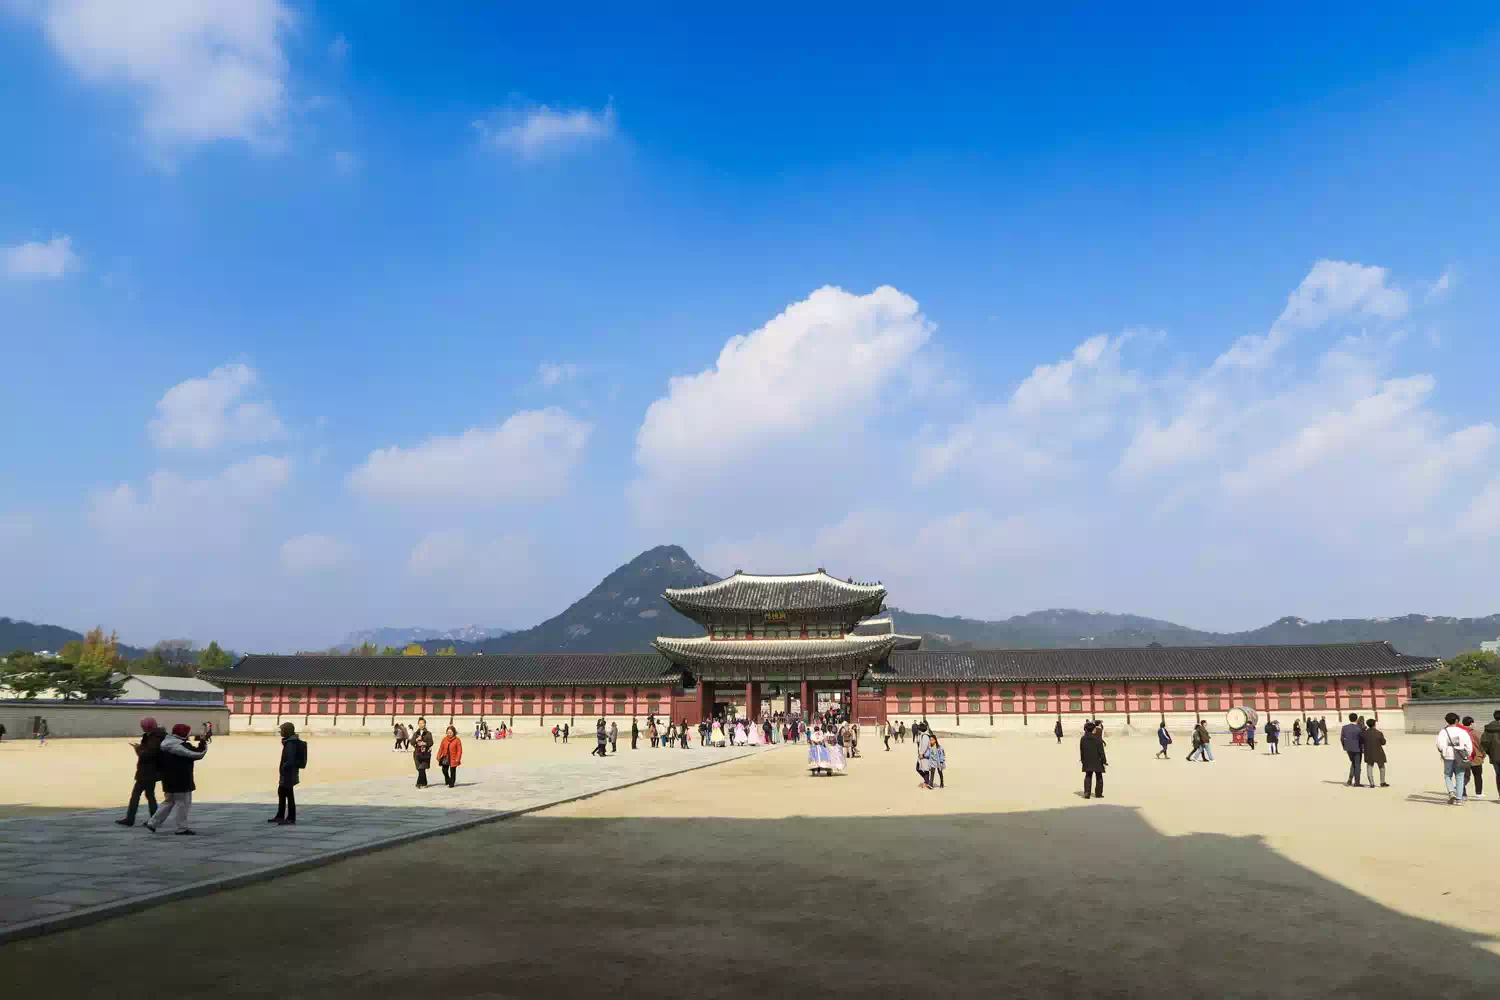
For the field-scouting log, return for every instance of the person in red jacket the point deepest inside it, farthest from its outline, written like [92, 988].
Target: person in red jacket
[450, 755]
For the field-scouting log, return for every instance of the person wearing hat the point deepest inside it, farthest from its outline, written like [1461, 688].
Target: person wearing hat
[175, 762]
[293, 760]
[146, 772]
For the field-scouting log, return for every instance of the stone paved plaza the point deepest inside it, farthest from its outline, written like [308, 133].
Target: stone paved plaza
[72, 867]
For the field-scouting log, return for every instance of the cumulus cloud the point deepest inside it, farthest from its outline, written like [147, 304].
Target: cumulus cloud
[1333, 289]
[175, 512]
[1033, 432]
[203, 70]
[550, 374]
[205, 413]
[52, 259]
[313, 553]
[530, 131]
[458, 558]
[527, 457]
[813, 374]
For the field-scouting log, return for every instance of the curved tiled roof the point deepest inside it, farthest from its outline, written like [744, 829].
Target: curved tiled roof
[396, 671]
[701, 649]
[1357, 659]
[756, 593]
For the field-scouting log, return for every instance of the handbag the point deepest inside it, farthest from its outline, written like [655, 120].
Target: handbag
[443, 761]
[1459, 753]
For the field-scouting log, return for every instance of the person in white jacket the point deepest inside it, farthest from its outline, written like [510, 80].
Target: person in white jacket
[1456, 748]
[175, 762]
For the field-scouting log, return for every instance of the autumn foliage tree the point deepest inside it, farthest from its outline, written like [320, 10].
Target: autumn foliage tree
[413, 649]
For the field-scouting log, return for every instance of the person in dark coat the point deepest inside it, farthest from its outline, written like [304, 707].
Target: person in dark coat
[1296, 732]
[603, 740]
[175, 763]
[1164, 738]
[1489, 742]
[1349, 737]
[1057, 731]
[293, 760]
[1372, 744]
[146, 772]
[1273, 736]
[635, 734]
[1091, 756]
[421, 756]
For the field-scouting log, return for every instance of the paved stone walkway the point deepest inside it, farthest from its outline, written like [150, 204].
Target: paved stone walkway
[75, 868]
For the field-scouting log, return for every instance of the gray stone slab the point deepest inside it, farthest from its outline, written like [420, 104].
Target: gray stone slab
[71, 868]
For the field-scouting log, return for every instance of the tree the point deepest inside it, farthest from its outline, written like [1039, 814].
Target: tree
[365, 648]
[27, 674]
[1467, 675]
[214, 658]
[414, 649]
[450, 651]
[390, 651]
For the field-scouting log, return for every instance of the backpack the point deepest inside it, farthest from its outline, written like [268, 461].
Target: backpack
[301, 754]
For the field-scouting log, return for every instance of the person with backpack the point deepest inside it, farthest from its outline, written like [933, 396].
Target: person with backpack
[293, 760]
[1164, 738]
[1455, 748]
[1092, 758]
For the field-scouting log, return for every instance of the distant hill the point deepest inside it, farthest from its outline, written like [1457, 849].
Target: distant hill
[621, 615]
[34, 638]
[400, 637]
[1421, 635]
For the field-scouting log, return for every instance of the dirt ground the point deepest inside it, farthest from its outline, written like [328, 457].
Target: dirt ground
[96, 773]
[1251, 876]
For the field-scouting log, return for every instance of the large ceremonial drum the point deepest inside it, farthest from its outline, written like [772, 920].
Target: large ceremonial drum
[1240, 717]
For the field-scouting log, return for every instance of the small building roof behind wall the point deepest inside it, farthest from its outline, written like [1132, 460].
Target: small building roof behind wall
[521, 669]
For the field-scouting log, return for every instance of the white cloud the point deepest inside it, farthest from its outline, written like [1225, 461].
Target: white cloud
[203, 69]
[530, 131]
[52, 259]
[454, 556]
[1443, 287]
[1333, 289]
[1035, 430]
[313, 553]
[813, 373]
[204, 413]
[555, 374]
[15, 528]
[529, 456]
[1480, 520]
[180, 513]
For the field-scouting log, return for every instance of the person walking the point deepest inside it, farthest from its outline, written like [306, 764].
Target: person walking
[601, 741]
[43, 731]
[1164, 738]
[1091, 756]
[293, 760]
[1476, 759]
[1455, 747]
[885, 734]
[635, 735]
[614, 737]
[1489, 742]
[1372, 743]
[1323, 731]
[175, 762]
[1057, 731]
[566, 730]
[556, 732]
[1296, 732]
[400, 732]
[147, 772]
[421, 758]
[1349, 737]
[450, 755]
[1273, 736]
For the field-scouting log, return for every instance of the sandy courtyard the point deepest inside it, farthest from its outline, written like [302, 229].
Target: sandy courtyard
[1251, 876]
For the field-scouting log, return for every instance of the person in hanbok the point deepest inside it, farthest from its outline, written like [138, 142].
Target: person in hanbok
[752, 735]
[716, 737]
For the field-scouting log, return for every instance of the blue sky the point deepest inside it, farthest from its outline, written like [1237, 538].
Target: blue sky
[326, 316]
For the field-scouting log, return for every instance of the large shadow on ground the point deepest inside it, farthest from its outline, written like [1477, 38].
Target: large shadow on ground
[1061, 903]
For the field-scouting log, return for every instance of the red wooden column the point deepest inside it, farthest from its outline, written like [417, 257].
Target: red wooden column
[1374, 701]
[252, 705]
[806, 716]
[854, 699]
[992, 702]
